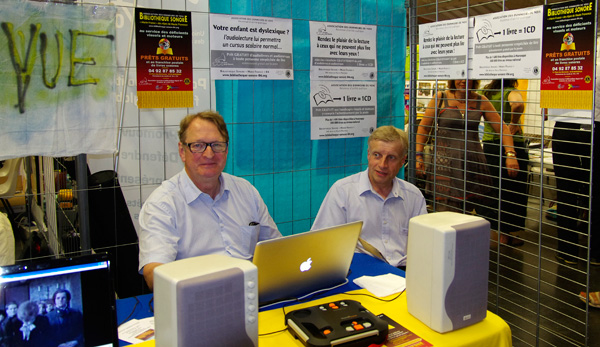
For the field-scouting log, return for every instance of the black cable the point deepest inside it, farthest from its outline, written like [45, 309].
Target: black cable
[274, 332]
[278, 331]
[151, 304]
[378, 298]
[137, 302]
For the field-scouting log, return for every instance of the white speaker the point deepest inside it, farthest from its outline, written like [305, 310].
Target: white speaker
[210, 300]
[447, 269]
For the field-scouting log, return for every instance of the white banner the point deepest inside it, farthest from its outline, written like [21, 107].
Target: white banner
[57, 79]
[250, 48]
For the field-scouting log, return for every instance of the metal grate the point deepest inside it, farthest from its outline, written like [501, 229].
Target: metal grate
[529, 287]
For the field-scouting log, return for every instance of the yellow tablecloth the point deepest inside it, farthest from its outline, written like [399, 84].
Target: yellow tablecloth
[491, 332]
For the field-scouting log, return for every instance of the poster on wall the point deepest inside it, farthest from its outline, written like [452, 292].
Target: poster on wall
[567, 80]
[343, 75]
[443, 49]
[164, 58]
[57, 79]
[250, 48]
[508, 44]
[342, 109]
[342, 51]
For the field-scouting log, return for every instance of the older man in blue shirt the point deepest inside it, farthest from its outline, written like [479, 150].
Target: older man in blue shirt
[376, 196]
[202, 210]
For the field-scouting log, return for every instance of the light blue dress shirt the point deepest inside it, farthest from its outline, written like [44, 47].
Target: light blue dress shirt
[179, 221]
[385, 221]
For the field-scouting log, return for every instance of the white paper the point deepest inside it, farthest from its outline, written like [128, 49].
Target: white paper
[342, 51]
[443, 49]
[382, 285]
[508, 44]
[250, 48]
[137, 330]
[342, 109]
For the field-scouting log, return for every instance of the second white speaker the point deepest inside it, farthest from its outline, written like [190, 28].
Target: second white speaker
[447, 269]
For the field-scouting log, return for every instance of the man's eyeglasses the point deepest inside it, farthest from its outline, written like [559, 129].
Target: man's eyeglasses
[200, 147]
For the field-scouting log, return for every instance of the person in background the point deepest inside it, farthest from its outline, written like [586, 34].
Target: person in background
[460, 176]
[11, 315]
[49, 306]
[512, 199]
[376, 196]
[66, 322]
[202, 210]
[41, 308]
[572, 147]
[2, 317]
[28, 329]
[583, 147]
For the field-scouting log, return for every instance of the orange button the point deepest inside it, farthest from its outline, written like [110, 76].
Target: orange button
[358, 327]
[326, 332]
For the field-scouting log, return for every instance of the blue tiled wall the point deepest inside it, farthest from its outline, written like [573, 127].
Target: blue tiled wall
[269, 121]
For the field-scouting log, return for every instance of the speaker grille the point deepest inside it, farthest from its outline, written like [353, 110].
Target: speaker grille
[212, 310]
[466, 299]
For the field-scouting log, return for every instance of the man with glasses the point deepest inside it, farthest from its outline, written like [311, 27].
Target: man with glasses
[202, 210]
[376, 196]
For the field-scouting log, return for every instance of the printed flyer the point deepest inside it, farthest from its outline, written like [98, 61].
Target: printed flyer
[399, 336]
[343, 80]
[250, 48]
[342, 109]
[508, 44]
[443, 49]
[164, 58]
[343, 51]
[568, 60]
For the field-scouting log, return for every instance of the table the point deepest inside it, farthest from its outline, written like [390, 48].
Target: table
[538, 156]
[492, 331]
[541, 173]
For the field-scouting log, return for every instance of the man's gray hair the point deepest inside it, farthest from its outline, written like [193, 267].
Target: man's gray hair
[389, 133]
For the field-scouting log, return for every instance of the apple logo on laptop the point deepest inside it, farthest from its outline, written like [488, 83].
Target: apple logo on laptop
[305, 266]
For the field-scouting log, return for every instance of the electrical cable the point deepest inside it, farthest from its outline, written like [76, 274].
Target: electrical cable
[378, 298]
[137, 302]
[299, 299]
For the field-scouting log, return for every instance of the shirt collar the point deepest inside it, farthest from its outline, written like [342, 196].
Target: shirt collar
[364, 185]
[191, 192]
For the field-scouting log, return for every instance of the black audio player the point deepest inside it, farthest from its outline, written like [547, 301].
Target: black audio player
[340, 323]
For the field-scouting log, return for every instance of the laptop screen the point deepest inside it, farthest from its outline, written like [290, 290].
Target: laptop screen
[293, 266]
[58, 301]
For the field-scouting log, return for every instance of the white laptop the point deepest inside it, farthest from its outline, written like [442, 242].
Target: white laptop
[292, 266]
